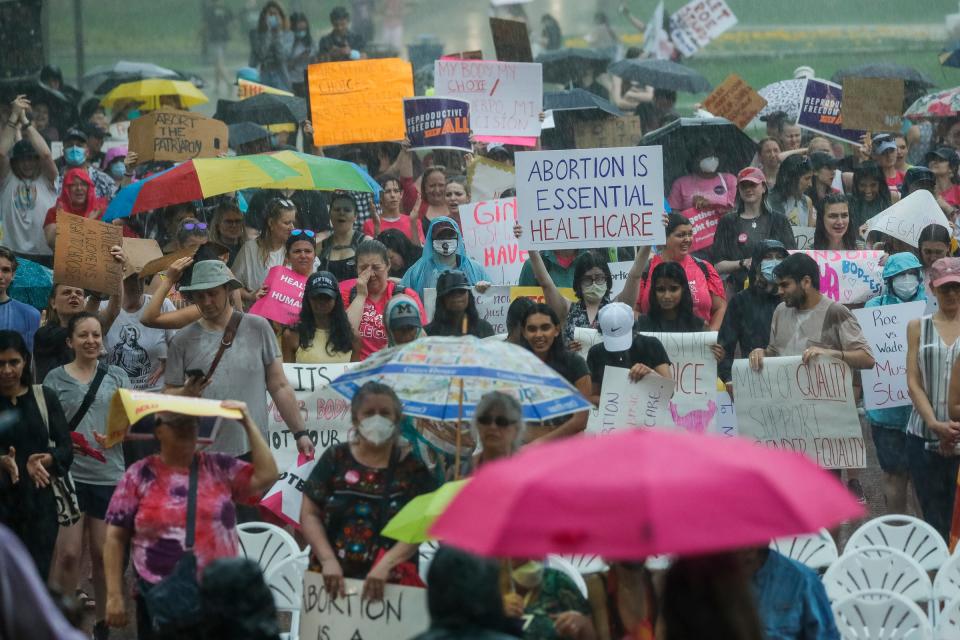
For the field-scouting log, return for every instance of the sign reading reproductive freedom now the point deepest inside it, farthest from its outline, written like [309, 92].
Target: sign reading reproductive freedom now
[582, 198]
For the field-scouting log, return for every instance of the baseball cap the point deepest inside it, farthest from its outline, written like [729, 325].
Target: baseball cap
[945, 270]
[23, 149]
[404, 314]
[322, 283]
[616, 326]
[751, 174]
[942, 153]
[883, 143]
[453, 280]
[93, 131]
[76, 134]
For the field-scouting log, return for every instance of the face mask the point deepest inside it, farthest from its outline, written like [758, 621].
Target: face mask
[905, 285]
[75, 156]
[301, 34]
[445, 248]
[133, 115]
[529, 575]
[273, 21]
[709, 165]
[117, 169]
[767, 267]
[594, 292]
[354, 54]
[376, 429]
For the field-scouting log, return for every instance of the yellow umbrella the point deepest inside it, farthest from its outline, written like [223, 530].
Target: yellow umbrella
[148, 92]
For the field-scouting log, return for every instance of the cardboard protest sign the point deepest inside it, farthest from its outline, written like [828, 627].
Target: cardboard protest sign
[885, 328]
[511, 40]
[160, 264]
[849, 277]
[492, 305]
[872, 104]
[358, 101]
[402, 613]
[803, 236]
[140, 252]
[326, 414]
[127, 407]
[284, 297]
[808, 408]
[735, 100]
[693, 407]
[608, 132]
[904, 220]
[487, 179]
[285, 498]
[437, 123]
[488, 238]
[630, 405]
[583, 198]
[698, 22]
[505, 98]
[704, 223]
[171, 135]
[820, 112]
[248, 89]
[82, 254]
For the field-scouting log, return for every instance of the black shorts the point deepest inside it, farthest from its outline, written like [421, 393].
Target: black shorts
[94, 499]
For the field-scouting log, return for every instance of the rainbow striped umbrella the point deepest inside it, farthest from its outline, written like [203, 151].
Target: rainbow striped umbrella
[323, 174]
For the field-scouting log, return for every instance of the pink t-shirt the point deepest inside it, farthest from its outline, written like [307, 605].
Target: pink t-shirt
[720, 191]
[402, 224]
[373, 335]
[702, 288]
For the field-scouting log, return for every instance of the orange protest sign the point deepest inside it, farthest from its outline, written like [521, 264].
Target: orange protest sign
[735, 100]
[359, 101]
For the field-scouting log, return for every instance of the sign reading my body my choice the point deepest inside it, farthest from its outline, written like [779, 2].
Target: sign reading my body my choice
[584, 198]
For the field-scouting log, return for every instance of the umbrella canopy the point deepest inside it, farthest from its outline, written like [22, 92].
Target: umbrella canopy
[785, 95]
[62, 104]
[943, 104]
[637, 493]
[886, 70]
[101, 80]
[563, 66]
[31, 284]
[244, 132]
[661, 74]
[577, 99]
[417, 516]
[148, 93]
[263, 109]
[323, 174]
[427, 373]
[734, 148]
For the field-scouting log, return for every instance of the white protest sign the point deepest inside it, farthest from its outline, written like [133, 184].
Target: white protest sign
[905, 219]
[698, 22]
[488, 179]
[326, 414]
[885, 328]
[286, 496]
[402, 613]
[619, 271]
[809, 409]
[587, 338]
[803, 236]
[630, 405]
[849, 277]
[726, 415]
[583, 198]
[492, 305]
[488, 238]
[694, 369]
[505, 98]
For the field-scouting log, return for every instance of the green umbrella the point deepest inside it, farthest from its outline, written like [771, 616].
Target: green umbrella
[413, 522]
[322, 174]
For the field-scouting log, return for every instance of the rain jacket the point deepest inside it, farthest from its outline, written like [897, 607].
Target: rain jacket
[92, 208]
[423, 273]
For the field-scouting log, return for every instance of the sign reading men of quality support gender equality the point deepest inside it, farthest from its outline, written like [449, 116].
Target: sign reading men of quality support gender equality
[358, 101]
[696, 23]
[820, 111]
[82, 255]
[168, 134]
[437, 123]
[488, 238]
[284, 296]
[809, 409]
[402, 613]
[630, 405]
[849, 277]
[885, 328]
[583, 198]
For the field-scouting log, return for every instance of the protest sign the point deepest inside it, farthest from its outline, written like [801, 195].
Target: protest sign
[248, 89]
[586, 337]
[358, 101]
[127, 407]
[487, 179]
[698, 22]
[171, 135]
[885, 328]
[630, 405]
[492, 305]
[704, 224]
[656, 40]
[285, 498]
[693, 366]
[849, 277]
[807, 408]
[820, 111]
[140, 252]
[82, 255]
[726, 415]
[505, 98]
[619, 271]
[284, 296]
[463, 55]
[735, 100]
[326, 414]
[904, 220]
[583, 198]
[161, 263]
[872, 104]
[488, 238]
[437, 123]
[536, 293]
[511, 40]
[608, 132]
[803, 236]
[402, 613]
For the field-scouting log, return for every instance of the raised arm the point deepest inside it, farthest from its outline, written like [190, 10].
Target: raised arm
[631, 289]
[153, 315]
[551, 295]
[48, 168]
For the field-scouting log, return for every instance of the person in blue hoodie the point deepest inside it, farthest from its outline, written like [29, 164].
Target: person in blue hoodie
[903, 282]
[443, 251]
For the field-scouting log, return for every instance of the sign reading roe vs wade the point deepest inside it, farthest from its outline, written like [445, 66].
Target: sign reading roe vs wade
[583, 198]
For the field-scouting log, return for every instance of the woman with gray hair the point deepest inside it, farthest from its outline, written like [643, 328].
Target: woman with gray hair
[500, 427]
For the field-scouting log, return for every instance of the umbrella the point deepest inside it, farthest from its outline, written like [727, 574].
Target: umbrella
[680, 140]
[577, 99]
[31, 284]
[244, 132]
[785, 95]
[62, 104]
[148, 93]
[263, 109]
[637, 493]
[564, 66]
[323, 174]
[943, 104]
[886, 70]
[661, 74]
[101, 80]
[417, 516]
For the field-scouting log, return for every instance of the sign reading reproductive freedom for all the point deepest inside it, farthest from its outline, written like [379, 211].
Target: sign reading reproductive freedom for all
[402, 613]
[885, 328]
[437, 123]
[488, 238]
[849, 277]
[809, 409]
[820, 111]
[583, 198]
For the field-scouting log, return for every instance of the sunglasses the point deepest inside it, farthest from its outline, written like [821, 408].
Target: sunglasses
[303, 232]
[500, 421]
[190, 226]
[286, 204]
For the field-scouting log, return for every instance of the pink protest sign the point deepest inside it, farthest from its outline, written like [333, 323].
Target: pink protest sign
[849, 277]
[284, 296]
[704, 226]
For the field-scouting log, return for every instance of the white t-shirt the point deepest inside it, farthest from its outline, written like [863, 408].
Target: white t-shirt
[23, 206]
[137, 349]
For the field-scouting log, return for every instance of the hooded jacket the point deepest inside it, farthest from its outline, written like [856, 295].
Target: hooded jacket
[423, 273]
[93, 207]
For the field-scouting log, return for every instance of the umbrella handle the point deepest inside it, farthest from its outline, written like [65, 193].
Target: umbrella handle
[459, 436]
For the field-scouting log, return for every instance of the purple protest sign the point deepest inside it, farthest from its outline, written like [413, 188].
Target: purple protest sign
[820, 111]
[437, 123]
[284, 296]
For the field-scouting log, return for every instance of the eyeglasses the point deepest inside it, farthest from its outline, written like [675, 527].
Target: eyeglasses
[587, 280]
[303, 232]
[190, 226]
[500, 421]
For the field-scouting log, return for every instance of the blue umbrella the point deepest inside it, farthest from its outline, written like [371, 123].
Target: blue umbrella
[31, 284]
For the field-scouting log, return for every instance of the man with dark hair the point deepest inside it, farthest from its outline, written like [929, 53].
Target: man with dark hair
[76, 153]
[15, 315]
[341, 43]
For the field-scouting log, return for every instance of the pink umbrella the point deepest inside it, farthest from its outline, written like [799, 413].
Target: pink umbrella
[636, 493]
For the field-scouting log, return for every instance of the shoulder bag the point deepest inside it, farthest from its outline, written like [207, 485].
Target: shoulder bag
[68, 507]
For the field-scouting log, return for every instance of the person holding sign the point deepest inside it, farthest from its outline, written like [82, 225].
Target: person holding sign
[445, 251]
[266, 251]
[671, 304]
[324, 333]
[77, 196]
[431, 198]
[456, 312]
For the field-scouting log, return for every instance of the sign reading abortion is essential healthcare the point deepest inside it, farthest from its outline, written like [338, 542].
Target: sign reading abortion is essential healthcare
[584, 198]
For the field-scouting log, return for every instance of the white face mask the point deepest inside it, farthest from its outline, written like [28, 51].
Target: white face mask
[376, 429]
[709, 165]
[528, 575]
[445, 248]
[905, 285]
[594, 292]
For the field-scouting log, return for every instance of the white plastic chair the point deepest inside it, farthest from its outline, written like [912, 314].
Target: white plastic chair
[876, 614]
[878, 568]
[564, 566]
[285, 580]
[948, 622]
[816, 550]
[904, 533]
[266, 544]
[587, 564]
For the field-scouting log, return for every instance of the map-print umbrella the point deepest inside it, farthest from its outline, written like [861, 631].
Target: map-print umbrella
[943, 104]
[785, 95]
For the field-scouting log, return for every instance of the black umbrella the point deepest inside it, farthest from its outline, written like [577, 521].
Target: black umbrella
[563, 66]
[244, 132]
[886, 70]
[265, 108]
[576, 100]
[62, 104]
[681, 138]
[102, 80]
[661, 74]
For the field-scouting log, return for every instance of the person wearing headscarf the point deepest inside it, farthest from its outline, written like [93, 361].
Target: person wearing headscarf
[77, 196]
[443, 251]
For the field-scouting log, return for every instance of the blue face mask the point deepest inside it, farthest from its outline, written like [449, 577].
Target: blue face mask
[75, 156]
[301, 34]
[767, 267]
[133, 115]
[117, 169]
[273, 21]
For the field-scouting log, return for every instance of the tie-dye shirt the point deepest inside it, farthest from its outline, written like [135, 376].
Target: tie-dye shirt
[151, 501]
